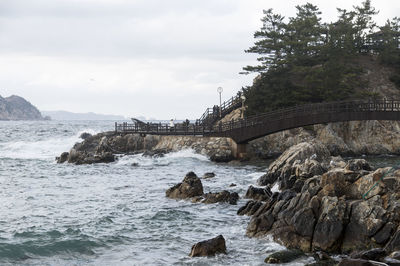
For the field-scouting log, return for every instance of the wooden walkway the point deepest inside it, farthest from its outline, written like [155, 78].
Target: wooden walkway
[252, 127]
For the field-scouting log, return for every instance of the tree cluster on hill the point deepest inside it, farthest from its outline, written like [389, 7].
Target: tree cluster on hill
[304, 60]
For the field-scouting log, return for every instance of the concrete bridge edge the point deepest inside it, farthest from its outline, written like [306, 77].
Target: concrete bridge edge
[239, 150]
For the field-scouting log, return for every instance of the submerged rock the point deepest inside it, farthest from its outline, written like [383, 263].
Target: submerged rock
[156, 153]
[63, 157]
[284, 256]
[209, 247]
[191, 186]
[208, 175]
[223, 196]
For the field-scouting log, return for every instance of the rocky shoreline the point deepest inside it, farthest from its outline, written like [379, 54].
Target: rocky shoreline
[325, 205]
[346, 139]
[329, 205]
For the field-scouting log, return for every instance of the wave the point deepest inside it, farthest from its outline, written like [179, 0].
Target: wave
[42, 149]
[167, 159]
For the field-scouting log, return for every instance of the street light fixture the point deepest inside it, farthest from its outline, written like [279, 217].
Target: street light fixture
[220, 90]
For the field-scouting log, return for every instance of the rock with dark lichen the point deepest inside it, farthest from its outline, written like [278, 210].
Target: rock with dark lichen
[191, 186]
[209, 247]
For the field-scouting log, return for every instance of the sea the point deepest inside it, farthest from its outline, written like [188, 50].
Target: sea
[115, 213]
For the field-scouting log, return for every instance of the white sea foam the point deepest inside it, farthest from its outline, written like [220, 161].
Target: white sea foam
[42, 149]
[186, 153]
[168, 159]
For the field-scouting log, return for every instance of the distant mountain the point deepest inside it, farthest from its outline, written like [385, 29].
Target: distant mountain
[64, 115]
[17, 108]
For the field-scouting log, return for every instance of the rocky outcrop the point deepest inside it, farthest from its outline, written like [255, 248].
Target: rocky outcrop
[296, 164]
[340, 207]
[17, 108]
[190, 187]
[92, 147]
[209, 247]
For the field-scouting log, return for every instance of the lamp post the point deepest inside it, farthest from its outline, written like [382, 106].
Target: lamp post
[243, 99]
[220, 90]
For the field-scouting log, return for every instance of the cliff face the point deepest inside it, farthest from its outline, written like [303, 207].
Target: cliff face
[17, 108]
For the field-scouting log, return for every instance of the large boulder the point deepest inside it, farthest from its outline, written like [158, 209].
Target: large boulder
[191, 186]
[209, 247]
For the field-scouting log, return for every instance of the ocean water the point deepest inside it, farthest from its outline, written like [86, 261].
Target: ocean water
[113, 214]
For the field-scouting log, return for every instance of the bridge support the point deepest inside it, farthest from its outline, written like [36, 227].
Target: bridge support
[239, 150]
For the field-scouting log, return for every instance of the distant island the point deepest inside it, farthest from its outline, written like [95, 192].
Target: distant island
[17, 108]
[65, 115]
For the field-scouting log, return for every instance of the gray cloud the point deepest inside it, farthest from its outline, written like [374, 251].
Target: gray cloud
[117, 56]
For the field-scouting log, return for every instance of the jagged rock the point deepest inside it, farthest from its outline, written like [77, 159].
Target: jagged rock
[373, 254]
[232, 185]
[85, 135]
[209, 247]
[249, 208]
[284, 256]
[302, 160]
[256, 193]
[330, 225]
[223, 196]
[357, 165]
[394, 243]
[190, 187]
[360, 262]
[384, 234]
[63, 157]
[208, 175]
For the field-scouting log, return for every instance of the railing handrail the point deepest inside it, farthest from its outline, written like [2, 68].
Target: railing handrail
[226, 107]
[275, 115]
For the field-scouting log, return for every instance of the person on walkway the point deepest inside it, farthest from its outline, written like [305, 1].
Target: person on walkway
[171, 124]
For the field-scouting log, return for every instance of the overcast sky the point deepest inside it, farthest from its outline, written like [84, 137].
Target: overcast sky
[157, 58]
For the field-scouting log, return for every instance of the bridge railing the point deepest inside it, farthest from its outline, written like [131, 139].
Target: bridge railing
[310, 109]
[162, 129]
[211, 115]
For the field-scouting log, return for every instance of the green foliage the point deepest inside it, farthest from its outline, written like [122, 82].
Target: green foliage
[303, 60]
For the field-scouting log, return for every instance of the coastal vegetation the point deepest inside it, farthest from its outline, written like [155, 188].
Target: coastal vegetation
[303, 60]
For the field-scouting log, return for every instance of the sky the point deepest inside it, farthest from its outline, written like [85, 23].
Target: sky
[154, 58]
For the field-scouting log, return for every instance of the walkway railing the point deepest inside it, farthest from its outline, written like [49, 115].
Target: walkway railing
[251, 127]
[211, 115]
[162, 129]
[311, 109]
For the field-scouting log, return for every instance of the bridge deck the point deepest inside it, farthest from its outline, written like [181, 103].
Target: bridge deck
[244, 130]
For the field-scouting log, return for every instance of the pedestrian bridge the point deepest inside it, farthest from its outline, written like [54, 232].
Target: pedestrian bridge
[252, 127]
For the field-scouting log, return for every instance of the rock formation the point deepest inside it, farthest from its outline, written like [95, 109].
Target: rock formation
[191, 187]
[209, 247]
[328, 204]
[17, 108]
[104, 144]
